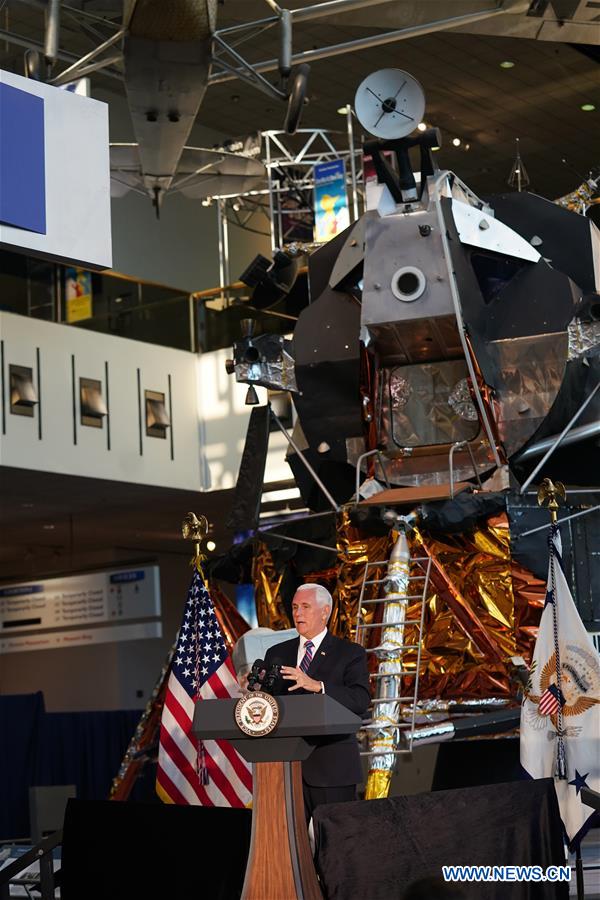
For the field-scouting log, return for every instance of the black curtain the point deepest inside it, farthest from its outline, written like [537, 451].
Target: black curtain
[130, 851]
[20, 729]
[377, 848]
[39, 748]
[84, 749]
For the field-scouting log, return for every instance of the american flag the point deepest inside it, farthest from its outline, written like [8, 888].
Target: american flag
[551, 701]
[211, 773]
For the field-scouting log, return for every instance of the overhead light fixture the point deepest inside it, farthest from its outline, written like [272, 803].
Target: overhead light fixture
[422, 126]
[344, 110]
[456, 142]
[507, 64]
[157, 417]
[588, 107]
[467, 146]
[91, 403]
[23, 396]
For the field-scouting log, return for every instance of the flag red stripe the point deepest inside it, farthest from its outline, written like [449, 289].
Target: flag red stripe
[237, 763]
[188, 771]
[175, 794]
[179, 714]
[231, 755]
[218, 687]
[168, 787]
[220, 780]
[183, 764]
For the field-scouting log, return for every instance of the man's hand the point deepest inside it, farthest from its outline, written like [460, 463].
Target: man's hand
[302, 680]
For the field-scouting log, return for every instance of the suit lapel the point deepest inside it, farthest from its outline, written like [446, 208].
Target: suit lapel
[321, 656]
[292, 656]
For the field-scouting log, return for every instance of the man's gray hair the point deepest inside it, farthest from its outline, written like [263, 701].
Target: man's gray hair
[322, 595]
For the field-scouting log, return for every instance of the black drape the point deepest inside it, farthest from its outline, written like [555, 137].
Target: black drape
[137, 851]
[377, 848]
[39, 748]
[84, 749]
[20, 726]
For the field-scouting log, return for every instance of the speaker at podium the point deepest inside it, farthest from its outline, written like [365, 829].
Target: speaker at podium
[276, 734]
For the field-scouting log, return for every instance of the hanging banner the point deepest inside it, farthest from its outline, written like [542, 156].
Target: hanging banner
[296, 216]
[78, 294]
[331, 202]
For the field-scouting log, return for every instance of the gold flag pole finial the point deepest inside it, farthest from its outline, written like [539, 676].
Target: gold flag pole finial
[548, 492]
[195, 529]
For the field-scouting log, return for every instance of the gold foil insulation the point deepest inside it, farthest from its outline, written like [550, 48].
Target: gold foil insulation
[378, 784]
[344, 581]
[481, 609]
[270, 610]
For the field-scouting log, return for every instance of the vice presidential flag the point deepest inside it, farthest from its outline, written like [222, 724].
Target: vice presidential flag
[560, 717]
[209, 773]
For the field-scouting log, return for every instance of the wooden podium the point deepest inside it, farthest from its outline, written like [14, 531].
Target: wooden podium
[280, 864]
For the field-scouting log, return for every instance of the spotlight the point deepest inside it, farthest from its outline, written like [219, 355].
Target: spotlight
[422, 126]
[456, 142]
[236, 206]
[210, 546]
[507, 64]
[207, 201]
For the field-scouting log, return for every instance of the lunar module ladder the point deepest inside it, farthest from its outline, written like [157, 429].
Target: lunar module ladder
[388, 684]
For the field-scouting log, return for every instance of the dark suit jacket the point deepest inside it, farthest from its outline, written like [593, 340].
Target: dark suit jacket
[342, 667]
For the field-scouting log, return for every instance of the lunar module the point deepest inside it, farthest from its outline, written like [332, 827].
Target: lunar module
[457, 336]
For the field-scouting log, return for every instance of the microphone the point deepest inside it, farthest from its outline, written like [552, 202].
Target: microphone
[272, 681]
[257, 673]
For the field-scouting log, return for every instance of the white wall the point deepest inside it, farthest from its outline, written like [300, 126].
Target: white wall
[69, 447]
[224, 421]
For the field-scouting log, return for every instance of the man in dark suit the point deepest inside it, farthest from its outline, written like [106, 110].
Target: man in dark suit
[318, 662]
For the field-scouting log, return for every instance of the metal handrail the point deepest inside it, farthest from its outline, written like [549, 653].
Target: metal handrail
[41, 853]
[459, 445]
[366, 455]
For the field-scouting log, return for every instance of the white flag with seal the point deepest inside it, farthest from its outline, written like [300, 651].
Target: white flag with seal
[560, 716]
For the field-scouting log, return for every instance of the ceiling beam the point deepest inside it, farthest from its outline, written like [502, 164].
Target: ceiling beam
[376, 40]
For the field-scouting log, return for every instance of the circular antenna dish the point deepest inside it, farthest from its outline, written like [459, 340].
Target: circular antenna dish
[390, 103]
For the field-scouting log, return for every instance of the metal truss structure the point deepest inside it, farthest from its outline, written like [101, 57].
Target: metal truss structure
[289, 161]
[227, 62]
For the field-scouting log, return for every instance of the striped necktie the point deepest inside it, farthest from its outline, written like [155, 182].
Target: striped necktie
[308, 655]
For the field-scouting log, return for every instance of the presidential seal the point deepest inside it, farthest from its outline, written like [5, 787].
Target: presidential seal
[256, 714]
[579, 688]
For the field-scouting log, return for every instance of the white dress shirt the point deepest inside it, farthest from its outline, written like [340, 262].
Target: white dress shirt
[317, 640]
